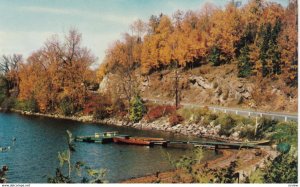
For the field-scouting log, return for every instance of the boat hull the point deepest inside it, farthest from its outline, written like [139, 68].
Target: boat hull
[132, 141]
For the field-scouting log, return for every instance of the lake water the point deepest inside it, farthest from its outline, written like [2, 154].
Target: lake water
[33, 157]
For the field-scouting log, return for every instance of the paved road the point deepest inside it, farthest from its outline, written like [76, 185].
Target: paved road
[238, 111]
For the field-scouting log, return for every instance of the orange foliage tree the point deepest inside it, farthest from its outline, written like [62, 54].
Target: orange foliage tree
[58, 74]
[260, 36]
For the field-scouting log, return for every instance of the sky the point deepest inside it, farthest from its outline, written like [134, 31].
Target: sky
[26, 25]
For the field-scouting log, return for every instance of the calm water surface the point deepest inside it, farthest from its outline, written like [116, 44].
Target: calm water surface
[33, 156]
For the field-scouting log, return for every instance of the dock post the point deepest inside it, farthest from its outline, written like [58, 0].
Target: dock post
[216, 149]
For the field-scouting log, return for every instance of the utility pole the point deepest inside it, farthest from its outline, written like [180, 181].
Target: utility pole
[176, 82]
[176, 86]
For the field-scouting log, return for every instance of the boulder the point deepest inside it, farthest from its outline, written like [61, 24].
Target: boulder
[200, 81]
[190, 128]
[235, 135]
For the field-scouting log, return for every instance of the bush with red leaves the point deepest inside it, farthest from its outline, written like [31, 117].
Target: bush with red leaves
[175, 119]
[158, 112]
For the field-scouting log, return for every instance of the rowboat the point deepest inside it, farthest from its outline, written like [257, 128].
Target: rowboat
[132, 141]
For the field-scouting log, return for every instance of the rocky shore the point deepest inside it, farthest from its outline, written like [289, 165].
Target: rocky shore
[210, 131]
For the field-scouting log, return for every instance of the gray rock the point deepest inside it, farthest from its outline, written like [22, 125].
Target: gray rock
[236, 134]
[190, 127]
[218, 127]
[247, 95]
[200, 81]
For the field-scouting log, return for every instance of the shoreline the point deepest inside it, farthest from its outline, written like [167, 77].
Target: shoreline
[160, 125]
[209, 132]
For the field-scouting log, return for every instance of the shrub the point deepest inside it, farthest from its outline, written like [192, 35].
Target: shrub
[158, 112]
[283, 169]
[212, 116]
[265, 127]
[286, 132]
[8, 103]
[137, 109]
[227, 123]
[247, 131]
[90, 106]
[66, 107]
[2, 97]
[175, 119]
[102, 111]
[3, 89]
[215, 56]
[118, 106]
[27, 105]
[193, 114]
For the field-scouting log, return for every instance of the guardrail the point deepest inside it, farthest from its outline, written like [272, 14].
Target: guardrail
[243, 112]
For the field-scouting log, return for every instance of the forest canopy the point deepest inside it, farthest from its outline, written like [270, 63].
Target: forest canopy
[260, 37]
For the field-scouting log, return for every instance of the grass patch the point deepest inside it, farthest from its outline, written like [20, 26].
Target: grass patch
[227, 123]
[194, 115]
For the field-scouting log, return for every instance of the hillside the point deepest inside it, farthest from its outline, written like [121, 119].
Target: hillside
[201, 86]
[239, 56]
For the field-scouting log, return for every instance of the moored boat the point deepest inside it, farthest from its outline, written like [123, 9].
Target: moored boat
[132, 141]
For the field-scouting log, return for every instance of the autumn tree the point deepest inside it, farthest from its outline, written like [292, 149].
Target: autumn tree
[260, 37]
[226, 33]
[288, 44]
[57, 74]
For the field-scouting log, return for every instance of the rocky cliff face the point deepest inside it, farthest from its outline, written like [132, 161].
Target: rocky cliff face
[208, 85]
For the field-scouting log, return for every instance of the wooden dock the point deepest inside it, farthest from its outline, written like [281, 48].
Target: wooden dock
[205, 144]
[107, 137]
[223, 144]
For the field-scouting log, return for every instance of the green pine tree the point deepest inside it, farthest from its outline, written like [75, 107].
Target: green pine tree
[214, 56]
[244, 64]
[137, 109]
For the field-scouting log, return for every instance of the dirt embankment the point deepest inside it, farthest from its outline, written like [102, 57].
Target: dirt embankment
[248, 161]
